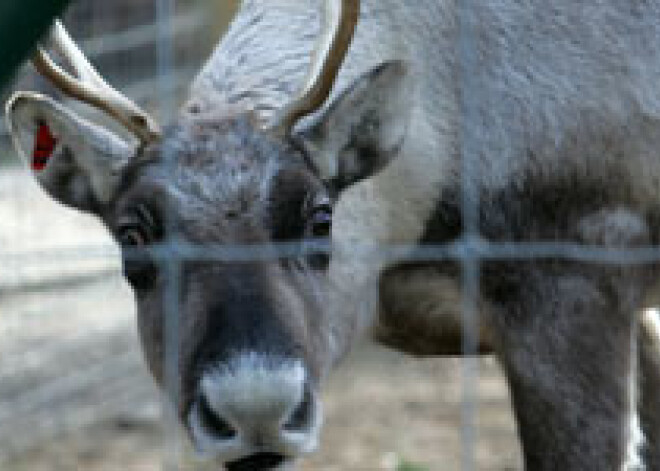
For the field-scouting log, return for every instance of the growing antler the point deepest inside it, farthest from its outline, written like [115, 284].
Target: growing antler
[89, 87]
[340, 18]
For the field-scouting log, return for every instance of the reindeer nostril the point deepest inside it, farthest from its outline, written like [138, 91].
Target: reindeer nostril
[302, 415]
[213, 423]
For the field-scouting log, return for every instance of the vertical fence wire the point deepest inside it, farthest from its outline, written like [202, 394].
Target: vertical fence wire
[171, 266]
[470, 263]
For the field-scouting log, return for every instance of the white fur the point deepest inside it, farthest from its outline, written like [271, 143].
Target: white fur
[256, 394]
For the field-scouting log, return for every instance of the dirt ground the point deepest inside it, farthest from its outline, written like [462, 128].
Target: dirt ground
[75, 394]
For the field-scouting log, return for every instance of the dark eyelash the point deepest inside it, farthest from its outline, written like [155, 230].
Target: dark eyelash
[145, 216]
[142, 218]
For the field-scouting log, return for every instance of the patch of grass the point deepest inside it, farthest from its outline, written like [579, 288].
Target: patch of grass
[409, 466]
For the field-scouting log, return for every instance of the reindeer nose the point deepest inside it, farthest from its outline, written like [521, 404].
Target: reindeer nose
[255, 409]
[219, 427]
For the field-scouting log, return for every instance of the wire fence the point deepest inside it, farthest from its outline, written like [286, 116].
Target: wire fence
[69, 364]
[75, 271]
[122, 41]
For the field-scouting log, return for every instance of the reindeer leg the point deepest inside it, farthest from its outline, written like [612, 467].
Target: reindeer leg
[564, 338]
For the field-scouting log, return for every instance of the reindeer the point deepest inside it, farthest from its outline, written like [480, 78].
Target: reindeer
[369, 151]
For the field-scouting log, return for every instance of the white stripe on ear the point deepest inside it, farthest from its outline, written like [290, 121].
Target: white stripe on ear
[78, 163]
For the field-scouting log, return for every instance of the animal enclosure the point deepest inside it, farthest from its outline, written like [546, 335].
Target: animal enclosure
[75, 391]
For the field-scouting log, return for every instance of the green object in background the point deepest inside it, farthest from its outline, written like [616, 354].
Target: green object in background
[406, 466]
[22, 23]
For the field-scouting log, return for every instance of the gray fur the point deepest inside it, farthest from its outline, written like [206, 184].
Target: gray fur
[567, 91]
[565, 104]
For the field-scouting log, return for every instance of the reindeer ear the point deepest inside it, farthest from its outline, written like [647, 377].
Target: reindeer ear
[76, 162]
[362, 130]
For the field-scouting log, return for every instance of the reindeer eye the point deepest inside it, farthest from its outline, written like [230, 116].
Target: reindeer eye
[321, 221]
[133, 237]
[138, 228]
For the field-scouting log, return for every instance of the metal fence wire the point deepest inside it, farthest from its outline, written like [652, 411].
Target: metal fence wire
[74, 390]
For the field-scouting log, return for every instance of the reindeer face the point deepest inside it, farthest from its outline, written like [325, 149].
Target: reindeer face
[256, 335]
[253, 334]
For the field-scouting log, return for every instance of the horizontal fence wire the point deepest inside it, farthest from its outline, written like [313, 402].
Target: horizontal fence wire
[459, 250]
[144, 35]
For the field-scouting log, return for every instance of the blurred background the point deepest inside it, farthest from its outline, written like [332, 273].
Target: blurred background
[74, 391]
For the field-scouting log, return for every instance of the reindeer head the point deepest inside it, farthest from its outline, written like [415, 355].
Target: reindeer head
[256, 336]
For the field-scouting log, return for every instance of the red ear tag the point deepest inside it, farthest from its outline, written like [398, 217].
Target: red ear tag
[44, 145]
